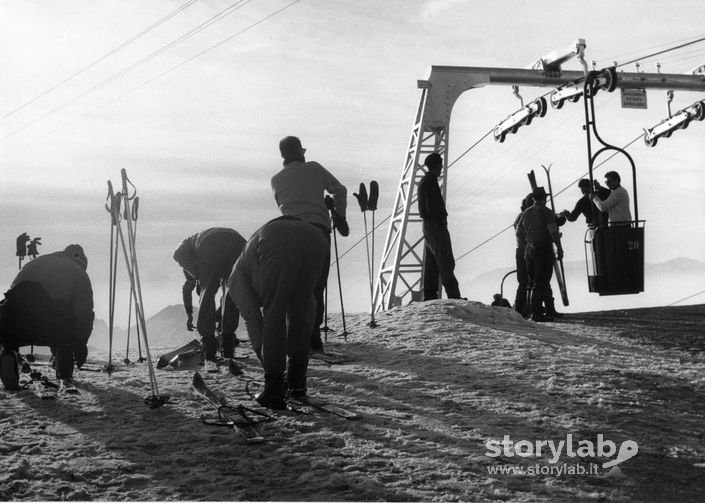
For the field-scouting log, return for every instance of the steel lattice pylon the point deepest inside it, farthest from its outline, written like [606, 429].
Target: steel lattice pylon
[400, 272]
[403, 255]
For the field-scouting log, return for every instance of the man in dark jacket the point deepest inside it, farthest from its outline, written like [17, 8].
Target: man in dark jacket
[50, 303]
[536, 232]
[273, 284]
[207, 259]
[439, 258]
[584, 206]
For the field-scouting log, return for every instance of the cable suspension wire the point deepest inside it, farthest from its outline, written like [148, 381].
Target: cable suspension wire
[103, 57]
[179, 65]
[624, 54]
[686, 298]
[175, 67]
[680, 46]
[218, 17]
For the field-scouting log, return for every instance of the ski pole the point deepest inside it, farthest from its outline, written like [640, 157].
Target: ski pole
[113, 207]
[340, 286]
[131, 263]
[325, 328]
[155, 400]
[372, 206]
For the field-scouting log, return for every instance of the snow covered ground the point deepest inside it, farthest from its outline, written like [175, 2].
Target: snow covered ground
[434, 382]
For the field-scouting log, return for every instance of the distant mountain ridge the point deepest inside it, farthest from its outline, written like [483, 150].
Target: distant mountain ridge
[166, 328]
[680, 265]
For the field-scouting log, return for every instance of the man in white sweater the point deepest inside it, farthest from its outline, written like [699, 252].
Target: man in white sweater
[617, 203]
[299, 191]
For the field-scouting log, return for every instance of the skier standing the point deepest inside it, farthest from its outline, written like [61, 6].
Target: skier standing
[50, 303]
[584, 206]
[278, 272]
[439, 258]
[207, 259]
[299, 191]
[536, 231]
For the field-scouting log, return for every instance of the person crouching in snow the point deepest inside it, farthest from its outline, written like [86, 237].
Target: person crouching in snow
[278, 272]
[50, 303]
[207, 258]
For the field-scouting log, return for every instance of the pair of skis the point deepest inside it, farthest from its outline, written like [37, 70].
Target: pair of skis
[42, 386]
[173, 357]
[304, 404]
[246, 421]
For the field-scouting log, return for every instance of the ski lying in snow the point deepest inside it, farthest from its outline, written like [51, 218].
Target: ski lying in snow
[330, 358]
[325, 405]
[244, 423]
[166, 359]
[303, 405]
[39, 385]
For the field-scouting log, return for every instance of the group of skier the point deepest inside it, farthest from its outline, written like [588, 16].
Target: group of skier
[275, 280]
[539, 245]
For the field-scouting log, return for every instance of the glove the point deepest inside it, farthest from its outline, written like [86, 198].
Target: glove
[362, 197]
[341, 224]
[189, 323]
[330, 203]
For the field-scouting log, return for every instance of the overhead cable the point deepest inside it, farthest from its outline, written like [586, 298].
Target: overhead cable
[218, 17]
[103, 57]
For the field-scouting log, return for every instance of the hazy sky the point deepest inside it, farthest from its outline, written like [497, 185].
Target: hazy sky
[194, 113]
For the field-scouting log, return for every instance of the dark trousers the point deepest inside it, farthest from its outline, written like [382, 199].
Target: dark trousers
[217, 255]
[539, 266]
[319, 295]
[521, 299]
[29, 316]
[290, 268]
[439, 261]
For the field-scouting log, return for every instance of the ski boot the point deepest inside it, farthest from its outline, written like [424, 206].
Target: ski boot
[272, 396]
[9, 369]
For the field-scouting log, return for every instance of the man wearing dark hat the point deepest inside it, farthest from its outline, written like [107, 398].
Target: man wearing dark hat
[537, 231]
[50, 303]
[439, 258]
[299, 191]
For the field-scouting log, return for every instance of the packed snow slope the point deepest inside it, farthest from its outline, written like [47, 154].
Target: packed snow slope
[434, 382]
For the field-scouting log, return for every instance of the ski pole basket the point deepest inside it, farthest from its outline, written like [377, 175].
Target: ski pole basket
[614, 256]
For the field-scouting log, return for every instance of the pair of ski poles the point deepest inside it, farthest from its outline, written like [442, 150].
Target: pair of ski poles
[369, 203]
[330, 204]
[155, 400]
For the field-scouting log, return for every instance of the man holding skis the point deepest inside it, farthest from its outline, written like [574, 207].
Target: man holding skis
[299, 191]
[207, 259]
[536, 232]
[50, 303]
[273, 285]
